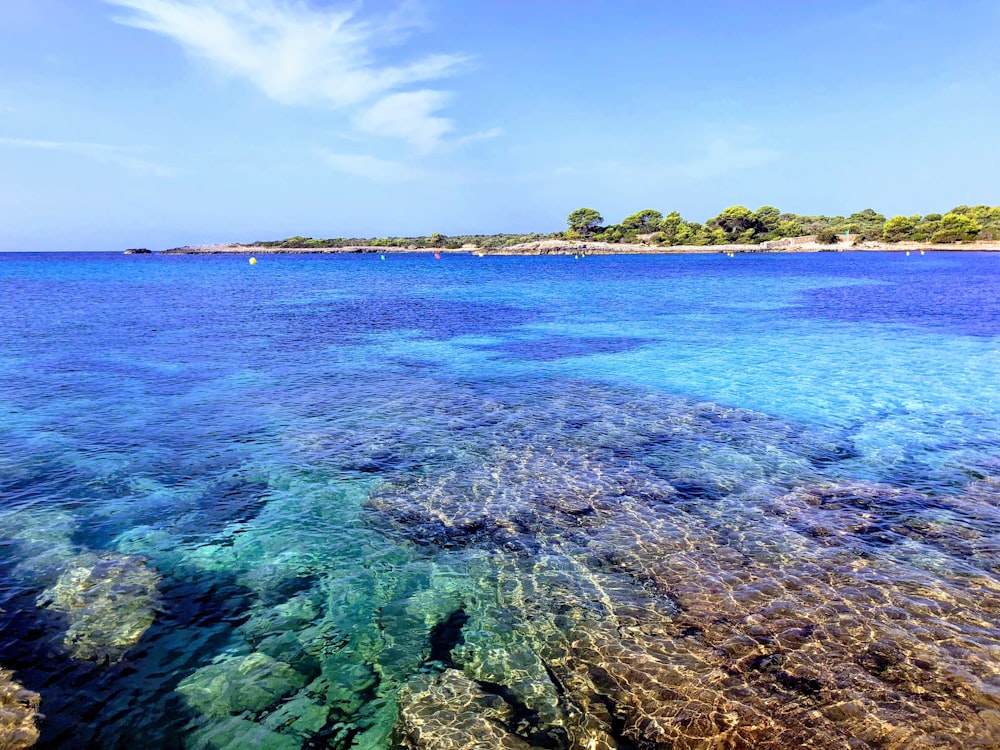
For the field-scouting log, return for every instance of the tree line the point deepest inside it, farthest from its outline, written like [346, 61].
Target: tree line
[740, 225]
[734, 225]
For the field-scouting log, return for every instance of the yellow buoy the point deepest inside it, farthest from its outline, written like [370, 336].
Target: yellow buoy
[253, 261]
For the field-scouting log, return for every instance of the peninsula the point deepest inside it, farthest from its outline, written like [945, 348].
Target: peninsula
[737, 229]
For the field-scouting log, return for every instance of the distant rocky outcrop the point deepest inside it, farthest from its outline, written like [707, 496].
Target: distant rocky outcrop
[138, 251]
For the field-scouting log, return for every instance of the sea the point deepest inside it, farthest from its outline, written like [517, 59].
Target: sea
[347, 501]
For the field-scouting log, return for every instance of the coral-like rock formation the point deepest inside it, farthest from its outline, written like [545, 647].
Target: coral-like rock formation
[18, 711]
[108, 601]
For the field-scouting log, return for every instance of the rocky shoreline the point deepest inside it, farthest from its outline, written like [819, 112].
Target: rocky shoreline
[570, 247]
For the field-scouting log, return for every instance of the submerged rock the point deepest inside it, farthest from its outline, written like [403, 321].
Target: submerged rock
[513, 498]
[240, 683]
[451, 712]
[964, 529]
[18, 712]
[108, 601]
[620, 618]
[236, 733]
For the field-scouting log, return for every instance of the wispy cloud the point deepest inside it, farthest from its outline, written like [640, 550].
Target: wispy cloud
[484, 135]
[372, 168]
[301, 55]
[122, 156]
[410, 116]
[720, 156]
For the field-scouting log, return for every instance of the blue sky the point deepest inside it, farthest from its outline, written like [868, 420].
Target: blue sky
[156, 123]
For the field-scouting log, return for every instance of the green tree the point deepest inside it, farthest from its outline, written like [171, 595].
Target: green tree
[736, 220]
[613, 233]
[867, 215]
[718, 236]
[956, 228]
[647, 220]
[584, 221]
[926, 226]
[767, 218]
[789, 228]
[866, 225]
[989, 218]
[898, 228]
[691, 233]
[669, 228]
[826, 237]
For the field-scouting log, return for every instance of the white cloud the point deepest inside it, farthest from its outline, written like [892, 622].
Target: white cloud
[300, 55]
[371, 168]
[484, 135]
[122, 156]
[409, 116]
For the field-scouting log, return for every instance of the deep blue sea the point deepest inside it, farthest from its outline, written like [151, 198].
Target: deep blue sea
[527, 502]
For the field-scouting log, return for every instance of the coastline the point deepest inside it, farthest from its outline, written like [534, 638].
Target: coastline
[576, 247]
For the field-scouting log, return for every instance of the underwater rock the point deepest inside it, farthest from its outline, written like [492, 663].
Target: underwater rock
[451, 712]
[287, 632]
[301, 715]
[496, 655]
[512, 498]
[966, 527]
[344, 685]
[108, 601]
[656, 573]
[769, 652]
[236, 733]
[18, 712]
[646, 624]
[748, 661]
[240, 683]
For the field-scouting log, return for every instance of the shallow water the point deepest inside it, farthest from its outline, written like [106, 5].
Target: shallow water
[675, 501]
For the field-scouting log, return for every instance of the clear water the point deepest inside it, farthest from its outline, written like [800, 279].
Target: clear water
[639, 501]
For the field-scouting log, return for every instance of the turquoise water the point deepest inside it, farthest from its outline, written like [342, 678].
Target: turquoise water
[624, 502]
